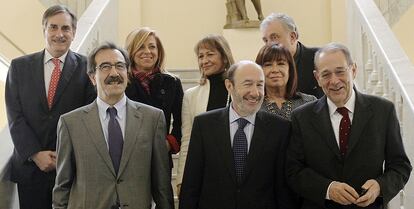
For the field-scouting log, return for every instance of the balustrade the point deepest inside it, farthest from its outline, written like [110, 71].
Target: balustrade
[384, 70]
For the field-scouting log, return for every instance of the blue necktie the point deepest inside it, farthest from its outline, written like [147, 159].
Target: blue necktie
[240, 149]
[115, 138]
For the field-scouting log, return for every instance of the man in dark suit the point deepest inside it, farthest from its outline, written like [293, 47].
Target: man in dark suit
[235, 158]
[39, 88]
[279, 28]
[111, 154]
[346, 150]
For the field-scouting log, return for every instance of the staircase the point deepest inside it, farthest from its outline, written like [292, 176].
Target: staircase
[384, 69]
[76, 6]
[392, 10]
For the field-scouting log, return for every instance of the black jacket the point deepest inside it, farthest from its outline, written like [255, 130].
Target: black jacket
[166, 93]
[375, 151]
[32, 124]
[304, 60]
[210, 179]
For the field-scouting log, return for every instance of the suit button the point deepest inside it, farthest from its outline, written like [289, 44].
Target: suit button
[119, 181]
[238, 191]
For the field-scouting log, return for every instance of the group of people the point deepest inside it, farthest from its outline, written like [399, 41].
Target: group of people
[287, 131]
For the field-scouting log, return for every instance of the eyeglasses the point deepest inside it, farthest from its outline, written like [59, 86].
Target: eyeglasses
[339, 72]
[121, 66]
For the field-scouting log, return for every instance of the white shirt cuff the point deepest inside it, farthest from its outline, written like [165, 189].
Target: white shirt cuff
[327, 191]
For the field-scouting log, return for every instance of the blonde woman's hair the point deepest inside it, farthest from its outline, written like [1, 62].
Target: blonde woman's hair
[136, 39]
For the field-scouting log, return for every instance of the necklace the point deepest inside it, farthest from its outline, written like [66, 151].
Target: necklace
[284, 111]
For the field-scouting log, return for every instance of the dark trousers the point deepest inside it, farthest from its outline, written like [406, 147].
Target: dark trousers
[35, 195]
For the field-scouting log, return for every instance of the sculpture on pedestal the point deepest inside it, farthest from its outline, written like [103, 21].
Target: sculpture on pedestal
[237, 14]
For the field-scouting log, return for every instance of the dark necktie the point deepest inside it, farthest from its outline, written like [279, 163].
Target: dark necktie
[115, 139]
[54, 80]
[344, 130]
[240, 149]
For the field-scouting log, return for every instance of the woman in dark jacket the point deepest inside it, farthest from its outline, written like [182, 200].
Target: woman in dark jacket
[281, 96]
[151, 84]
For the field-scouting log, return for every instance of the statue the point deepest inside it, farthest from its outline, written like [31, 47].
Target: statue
[237, 14]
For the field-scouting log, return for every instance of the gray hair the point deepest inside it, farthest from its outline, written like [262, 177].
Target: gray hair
[106, 45]
[331, 48]
[286, 20]
[57, 9]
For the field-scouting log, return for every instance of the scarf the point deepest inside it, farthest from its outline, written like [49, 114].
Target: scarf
[145, 78]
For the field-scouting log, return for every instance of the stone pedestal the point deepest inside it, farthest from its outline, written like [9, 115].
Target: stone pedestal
[233, 18]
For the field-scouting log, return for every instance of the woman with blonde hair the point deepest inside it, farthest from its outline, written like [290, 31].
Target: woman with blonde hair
[151, 84]
[214, 58]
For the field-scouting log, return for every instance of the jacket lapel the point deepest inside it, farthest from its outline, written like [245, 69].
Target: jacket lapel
[132, 128]
[323, 125]
[202, 98]
[67, 72]
[39, 79]
[362, 114]
[256, 146]
[93, 124]
[222, 128]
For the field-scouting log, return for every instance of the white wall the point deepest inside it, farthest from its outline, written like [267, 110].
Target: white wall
[404, 32]
[180, 24]
[21, 21]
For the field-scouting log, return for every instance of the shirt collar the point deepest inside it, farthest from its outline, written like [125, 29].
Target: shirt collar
[350, 104]
[119, 106]
[234, 116]
[48, 57]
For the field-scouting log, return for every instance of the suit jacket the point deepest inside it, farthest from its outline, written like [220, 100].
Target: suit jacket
[313, 158]
[85, 175]
[166, 93]
[304, 60]
[32, 125]
[195, 101]
[209, 177]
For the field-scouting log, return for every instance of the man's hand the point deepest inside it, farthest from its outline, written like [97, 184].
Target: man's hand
[45, 160]
[373, 191]
[342, 193]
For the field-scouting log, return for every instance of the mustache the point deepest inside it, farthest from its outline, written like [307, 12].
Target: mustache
[118, 79]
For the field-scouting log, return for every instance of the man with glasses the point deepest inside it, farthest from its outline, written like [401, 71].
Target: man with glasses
[346, 150]
[39, 88]
[112, 153]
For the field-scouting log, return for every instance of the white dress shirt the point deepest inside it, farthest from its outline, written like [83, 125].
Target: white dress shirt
[104, 117]
[48, 67]
[248, 129]
[336, 118]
